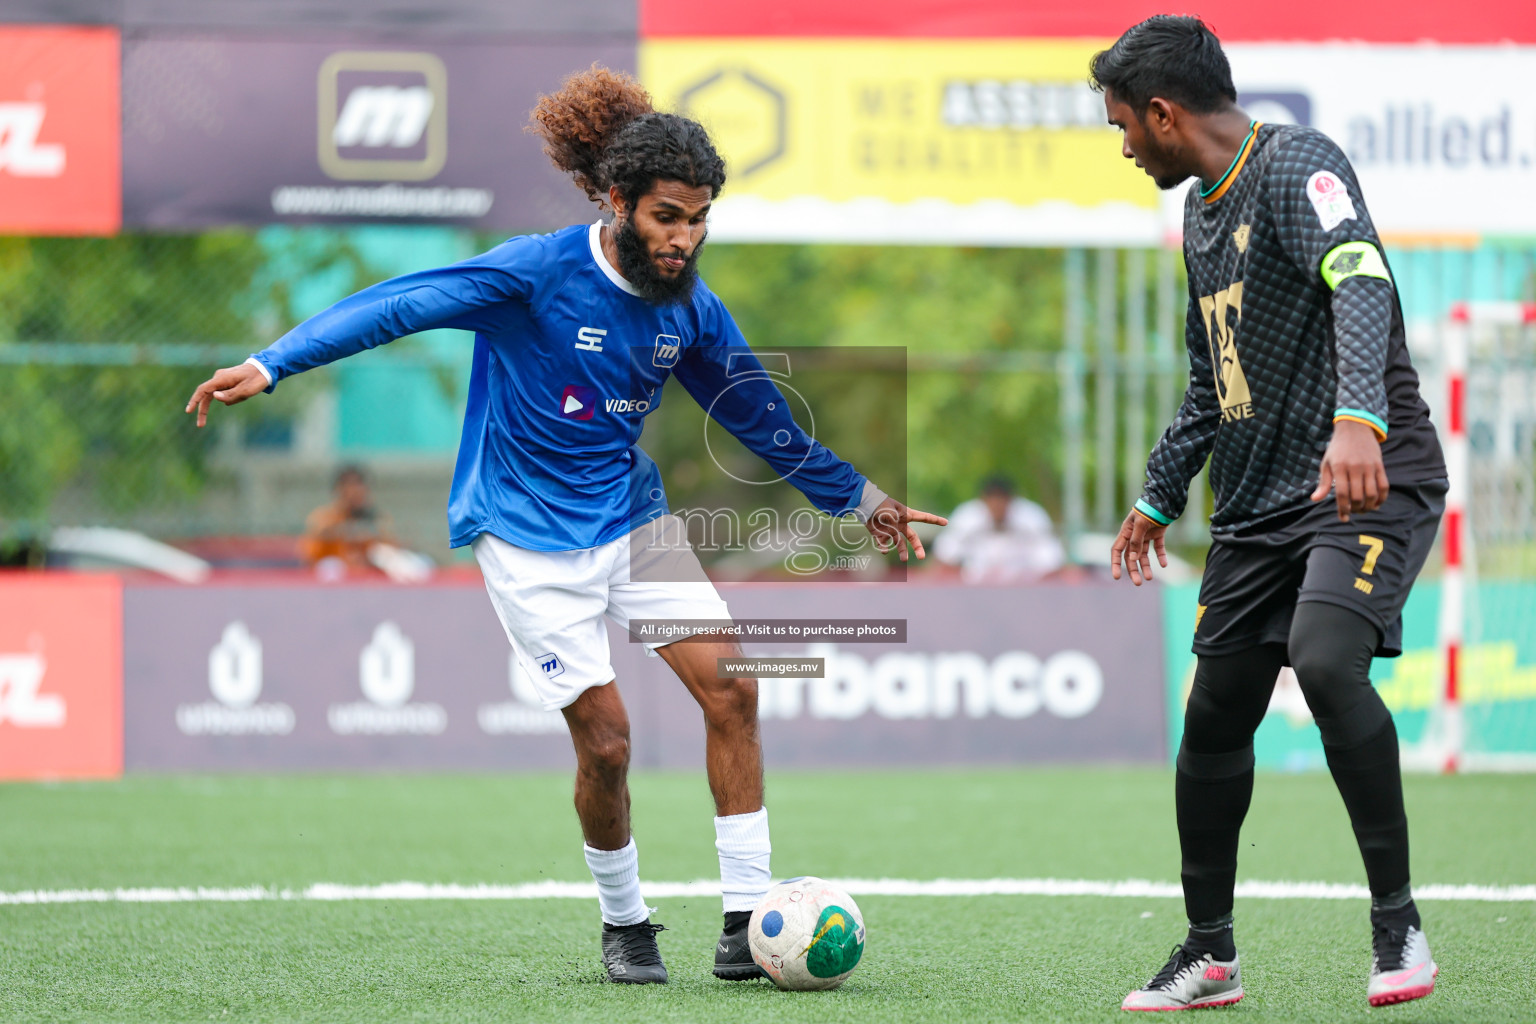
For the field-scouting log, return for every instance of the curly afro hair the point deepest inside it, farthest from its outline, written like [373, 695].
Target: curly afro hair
[601, 129]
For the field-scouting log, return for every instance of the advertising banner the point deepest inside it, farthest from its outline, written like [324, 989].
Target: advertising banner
[224, 130]
[386, 677]
[59, 131]
[977, 141]
[986, 675]
[1443, 138]
[939, 142]
[1372, 20]
[235, 677]
[1498, 690]
[61, 680]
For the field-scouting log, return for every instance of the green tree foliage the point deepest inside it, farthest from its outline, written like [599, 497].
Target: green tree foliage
[115, 434]
[939, 304]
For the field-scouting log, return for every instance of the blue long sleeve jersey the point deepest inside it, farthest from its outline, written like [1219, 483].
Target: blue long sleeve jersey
[568, 361]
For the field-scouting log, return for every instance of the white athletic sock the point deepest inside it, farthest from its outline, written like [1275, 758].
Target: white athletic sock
[742, 841]
[617, 874]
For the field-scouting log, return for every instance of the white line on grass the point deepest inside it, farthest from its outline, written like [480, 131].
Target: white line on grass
[1137, 888]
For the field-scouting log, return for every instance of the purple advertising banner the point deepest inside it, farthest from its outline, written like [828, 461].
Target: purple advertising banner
[304, 677]
[334, 129]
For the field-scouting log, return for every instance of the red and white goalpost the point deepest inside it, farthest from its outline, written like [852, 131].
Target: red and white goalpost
[1444, 747]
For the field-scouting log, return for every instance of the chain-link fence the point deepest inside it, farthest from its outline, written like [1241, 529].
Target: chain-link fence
[102, 340]
[1058, 368]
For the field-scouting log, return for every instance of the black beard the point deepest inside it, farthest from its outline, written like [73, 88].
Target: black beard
[640, 271]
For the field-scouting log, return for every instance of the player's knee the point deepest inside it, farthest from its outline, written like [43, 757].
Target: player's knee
[607, 754]
[1330, 651]
[1326, 678]
[1210, 728]
[731, 702]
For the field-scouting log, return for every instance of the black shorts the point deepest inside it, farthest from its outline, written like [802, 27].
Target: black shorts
[1255, 577]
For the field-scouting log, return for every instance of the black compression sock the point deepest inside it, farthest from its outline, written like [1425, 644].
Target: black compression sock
[1212, 793]
[1371, 784]
[1395, 910]
[1213, 937]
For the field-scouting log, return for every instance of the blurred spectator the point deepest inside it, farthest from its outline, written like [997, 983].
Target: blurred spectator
[338, 537]
[999, 537]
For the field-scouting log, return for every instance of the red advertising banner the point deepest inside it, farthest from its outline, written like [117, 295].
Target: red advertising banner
[60, 151]
[1375, 21]
[61, 676]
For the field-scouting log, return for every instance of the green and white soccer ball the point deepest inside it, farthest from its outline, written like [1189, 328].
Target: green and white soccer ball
[807, 934]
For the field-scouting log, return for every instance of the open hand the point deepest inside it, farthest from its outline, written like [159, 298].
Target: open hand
[1353, 470]
[1137, 535]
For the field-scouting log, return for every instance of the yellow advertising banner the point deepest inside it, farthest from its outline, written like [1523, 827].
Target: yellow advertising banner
[984, 141]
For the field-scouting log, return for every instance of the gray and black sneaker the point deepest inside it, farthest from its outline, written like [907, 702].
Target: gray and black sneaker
[630, 953]
[1188, 980]
[733, 957]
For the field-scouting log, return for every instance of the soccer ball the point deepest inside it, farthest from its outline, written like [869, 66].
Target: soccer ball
[806, 934]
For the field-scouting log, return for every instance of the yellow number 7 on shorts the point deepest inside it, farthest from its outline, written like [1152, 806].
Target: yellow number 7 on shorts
[1373, 546]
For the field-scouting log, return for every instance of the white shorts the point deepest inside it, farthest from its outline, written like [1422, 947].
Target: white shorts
[552, 603]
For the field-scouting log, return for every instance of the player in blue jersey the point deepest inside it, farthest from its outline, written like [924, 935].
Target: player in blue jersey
[575, 333]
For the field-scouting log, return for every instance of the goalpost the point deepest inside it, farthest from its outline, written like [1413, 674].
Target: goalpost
[1483, 716]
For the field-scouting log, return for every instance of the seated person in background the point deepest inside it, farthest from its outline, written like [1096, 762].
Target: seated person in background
[338, 536]
[999, 538]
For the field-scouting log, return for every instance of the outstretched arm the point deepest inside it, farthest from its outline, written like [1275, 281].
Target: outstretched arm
[231, 385]
[461, 295]
[730, 383]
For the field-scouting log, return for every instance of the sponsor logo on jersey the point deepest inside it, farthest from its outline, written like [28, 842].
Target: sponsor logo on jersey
[668, 348]
[1330, 199]
[1221, 314]
[20, 152]
[639, 405]
[383, 116]
[578, 402]
[590, 339]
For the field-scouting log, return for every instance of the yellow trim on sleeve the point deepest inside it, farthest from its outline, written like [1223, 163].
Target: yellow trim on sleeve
[1380, 435]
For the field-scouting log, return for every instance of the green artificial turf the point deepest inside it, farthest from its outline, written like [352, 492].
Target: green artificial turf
[955, 959]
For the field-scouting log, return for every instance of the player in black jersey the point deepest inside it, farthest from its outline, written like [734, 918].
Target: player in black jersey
[1299, 385]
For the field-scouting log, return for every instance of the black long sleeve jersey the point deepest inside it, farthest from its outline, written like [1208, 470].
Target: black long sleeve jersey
[1293, 323]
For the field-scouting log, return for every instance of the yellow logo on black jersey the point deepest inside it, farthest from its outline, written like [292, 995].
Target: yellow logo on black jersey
[1240, 237]
[1221, 330]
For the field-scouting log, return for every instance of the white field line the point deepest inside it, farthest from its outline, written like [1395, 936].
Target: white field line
[1136, 888]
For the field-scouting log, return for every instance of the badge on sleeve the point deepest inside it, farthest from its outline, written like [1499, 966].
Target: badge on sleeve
[1330, 199]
